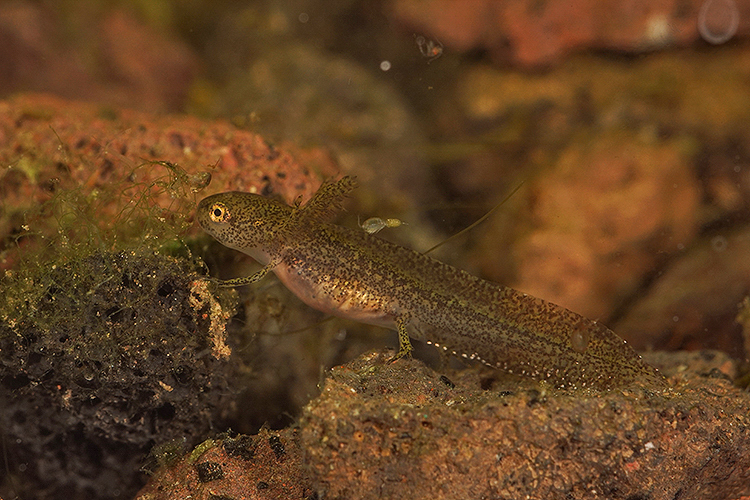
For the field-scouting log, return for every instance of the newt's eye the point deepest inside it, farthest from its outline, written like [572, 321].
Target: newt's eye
[219, 213]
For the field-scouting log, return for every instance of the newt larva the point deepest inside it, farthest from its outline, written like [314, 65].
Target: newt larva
[356, 275]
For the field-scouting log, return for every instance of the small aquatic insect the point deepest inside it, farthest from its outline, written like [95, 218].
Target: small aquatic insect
[376, 224]
[429, 48]
[353, 274]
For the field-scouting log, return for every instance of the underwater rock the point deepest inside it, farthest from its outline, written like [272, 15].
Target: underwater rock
[404, 431]
[50, 145]
[77, 52]
[105, 354]
[100, 359]
[531, 33]
[599, 220]
[692, 304]
[266, 466]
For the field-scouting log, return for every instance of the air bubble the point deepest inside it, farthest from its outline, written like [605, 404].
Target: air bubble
[719, 243]
[718, 21]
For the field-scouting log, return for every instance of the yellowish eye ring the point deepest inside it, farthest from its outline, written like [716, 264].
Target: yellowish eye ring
[219, 213]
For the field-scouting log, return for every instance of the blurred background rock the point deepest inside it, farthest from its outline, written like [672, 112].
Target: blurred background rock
[627, 123]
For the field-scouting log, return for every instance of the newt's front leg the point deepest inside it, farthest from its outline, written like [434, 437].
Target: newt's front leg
[247, 280]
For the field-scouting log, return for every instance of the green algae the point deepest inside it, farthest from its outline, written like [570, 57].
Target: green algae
[89, 259]
[125, 215]
[108, 337]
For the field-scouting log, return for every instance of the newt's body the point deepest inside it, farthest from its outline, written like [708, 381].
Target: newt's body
[353, 274]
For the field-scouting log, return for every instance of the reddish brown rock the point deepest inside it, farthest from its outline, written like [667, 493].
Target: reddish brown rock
[113, 58]
[49, 144]
[600, 219]
[265, 466]
[532, 33]
[688, 130]
[152, 72]
[402, 431]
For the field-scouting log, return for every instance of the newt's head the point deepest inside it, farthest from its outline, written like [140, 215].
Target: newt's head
[244, 221]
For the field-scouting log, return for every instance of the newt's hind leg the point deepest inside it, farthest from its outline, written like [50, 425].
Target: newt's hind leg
[404, 344]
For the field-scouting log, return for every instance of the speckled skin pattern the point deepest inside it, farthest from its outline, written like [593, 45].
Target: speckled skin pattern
[356, 275]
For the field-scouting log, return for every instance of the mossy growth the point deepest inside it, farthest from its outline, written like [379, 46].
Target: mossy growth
[86, 259]
[109, 339]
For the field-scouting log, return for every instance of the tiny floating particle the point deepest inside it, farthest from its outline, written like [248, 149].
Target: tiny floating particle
[719, 243]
